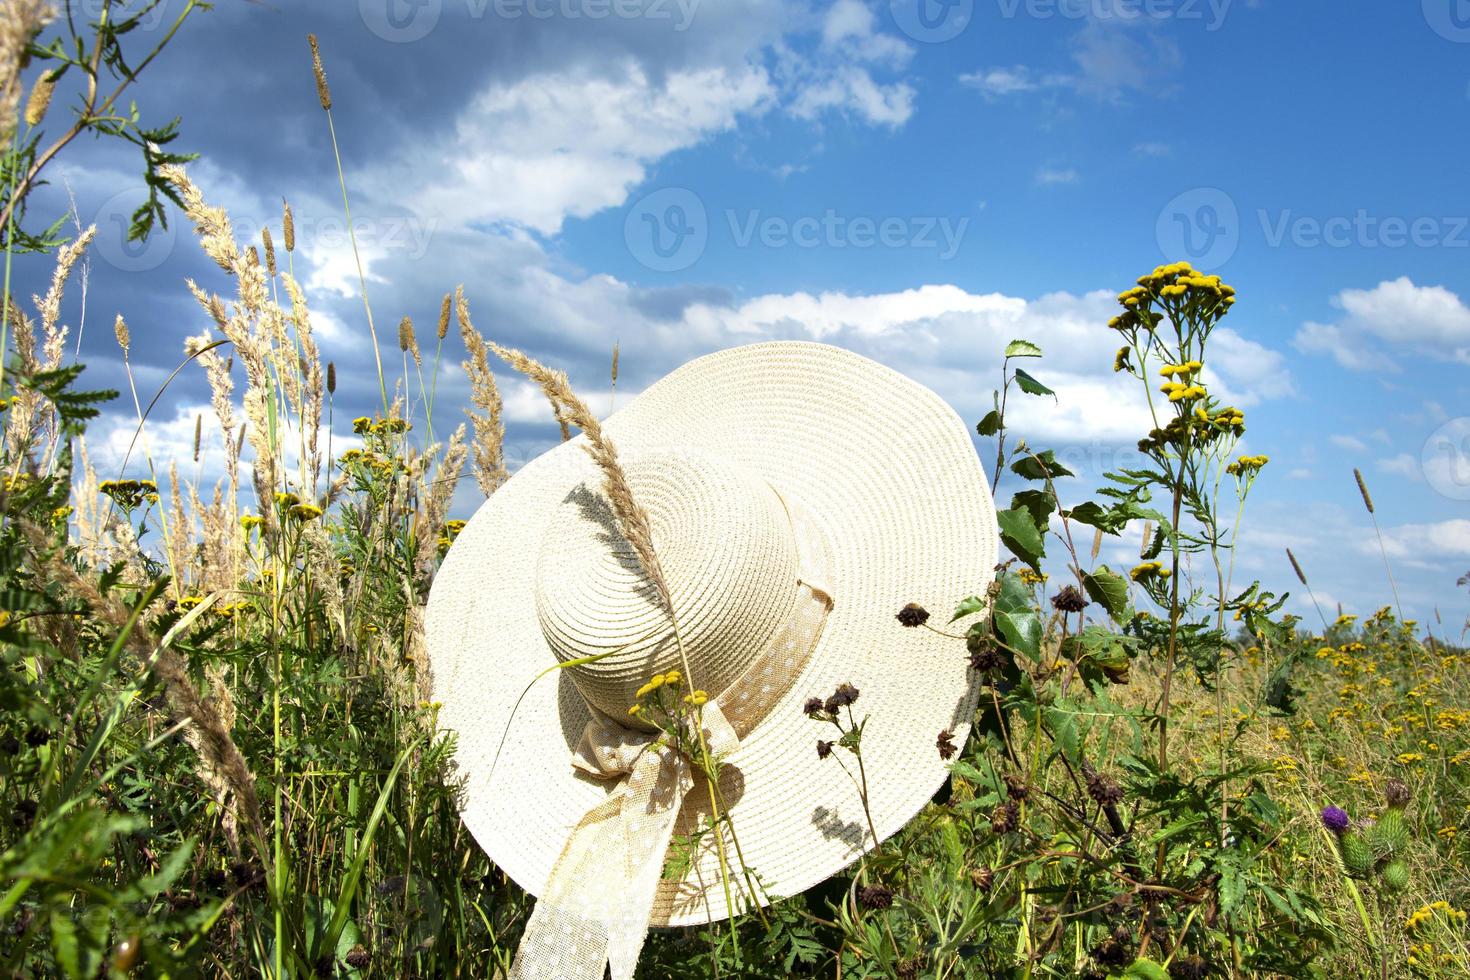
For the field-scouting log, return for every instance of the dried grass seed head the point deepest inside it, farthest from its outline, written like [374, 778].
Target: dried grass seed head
[323, 94]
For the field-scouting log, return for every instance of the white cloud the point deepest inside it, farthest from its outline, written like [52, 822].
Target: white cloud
[1152, 150]
[1394, 317]
[1111, 60]
[839, 77]
[995, 83]
[854, 89]
[1049, 176]
[1426, 542]
[1350, 443]
[569, 144]
[948, 338]
[1403, 464]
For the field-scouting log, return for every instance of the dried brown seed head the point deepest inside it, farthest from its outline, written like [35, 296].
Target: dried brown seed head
[323, 94]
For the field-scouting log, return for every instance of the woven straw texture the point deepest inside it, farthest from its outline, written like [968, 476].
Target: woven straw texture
[885, 474]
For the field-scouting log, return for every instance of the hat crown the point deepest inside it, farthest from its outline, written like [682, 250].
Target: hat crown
[729, 556]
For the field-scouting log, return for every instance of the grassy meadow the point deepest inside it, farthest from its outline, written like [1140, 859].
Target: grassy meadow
[219, 755]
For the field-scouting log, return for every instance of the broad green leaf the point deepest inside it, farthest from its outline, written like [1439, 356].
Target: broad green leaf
[1040, 503]
[1145, 970]
[1109, 590]
[1030, 385]
[1019, 533]
[1093, 515]
[1062, 724]
[1021, 631]
[1039, 466]
[1022, 348]
[990, 424]
[969, 606]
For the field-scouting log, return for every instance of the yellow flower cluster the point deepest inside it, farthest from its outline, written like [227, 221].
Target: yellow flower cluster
[1030, 577]
[1409, 758]
[1426, 913]
[671, 679]
[362, 425]
[1179, 392]
[1186, 370]
[1149, 569]
[1246, 465]
[1204, 426]
[1178, 280]
[128, 494]
[287, 499]
[305, 512]
[1451, 719]
[251, 521]
[60, 514]
[370, 460]
[451, 531]
[658, 681]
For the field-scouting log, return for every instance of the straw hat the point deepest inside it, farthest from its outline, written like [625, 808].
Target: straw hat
[799, 496]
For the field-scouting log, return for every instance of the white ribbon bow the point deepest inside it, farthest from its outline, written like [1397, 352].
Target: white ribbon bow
[597, 903]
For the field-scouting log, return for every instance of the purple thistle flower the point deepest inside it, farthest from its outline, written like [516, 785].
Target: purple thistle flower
[1335, 819]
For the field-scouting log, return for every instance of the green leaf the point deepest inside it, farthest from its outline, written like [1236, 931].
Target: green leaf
[1062, 723]
[1022, 348]
[64, 942]
[1019, 532]
[1108, 589]
[1093, 515]
[1030, 385]
[1039, 466]
[1040, 503]
[969, 606]
[1016, 621]
[1145, 970]
[990, 424]
[1231, 888]
[327, 939]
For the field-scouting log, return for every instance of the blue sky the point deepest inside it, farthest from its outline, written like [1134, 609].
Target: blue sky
[920, 185]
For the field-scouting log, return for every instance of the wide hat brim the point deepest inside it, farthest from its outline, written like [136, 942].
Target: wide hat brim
[888, 473]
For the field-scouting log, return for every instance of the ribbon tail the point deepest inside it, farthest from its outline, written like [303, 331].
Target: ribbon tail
[597, 903]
